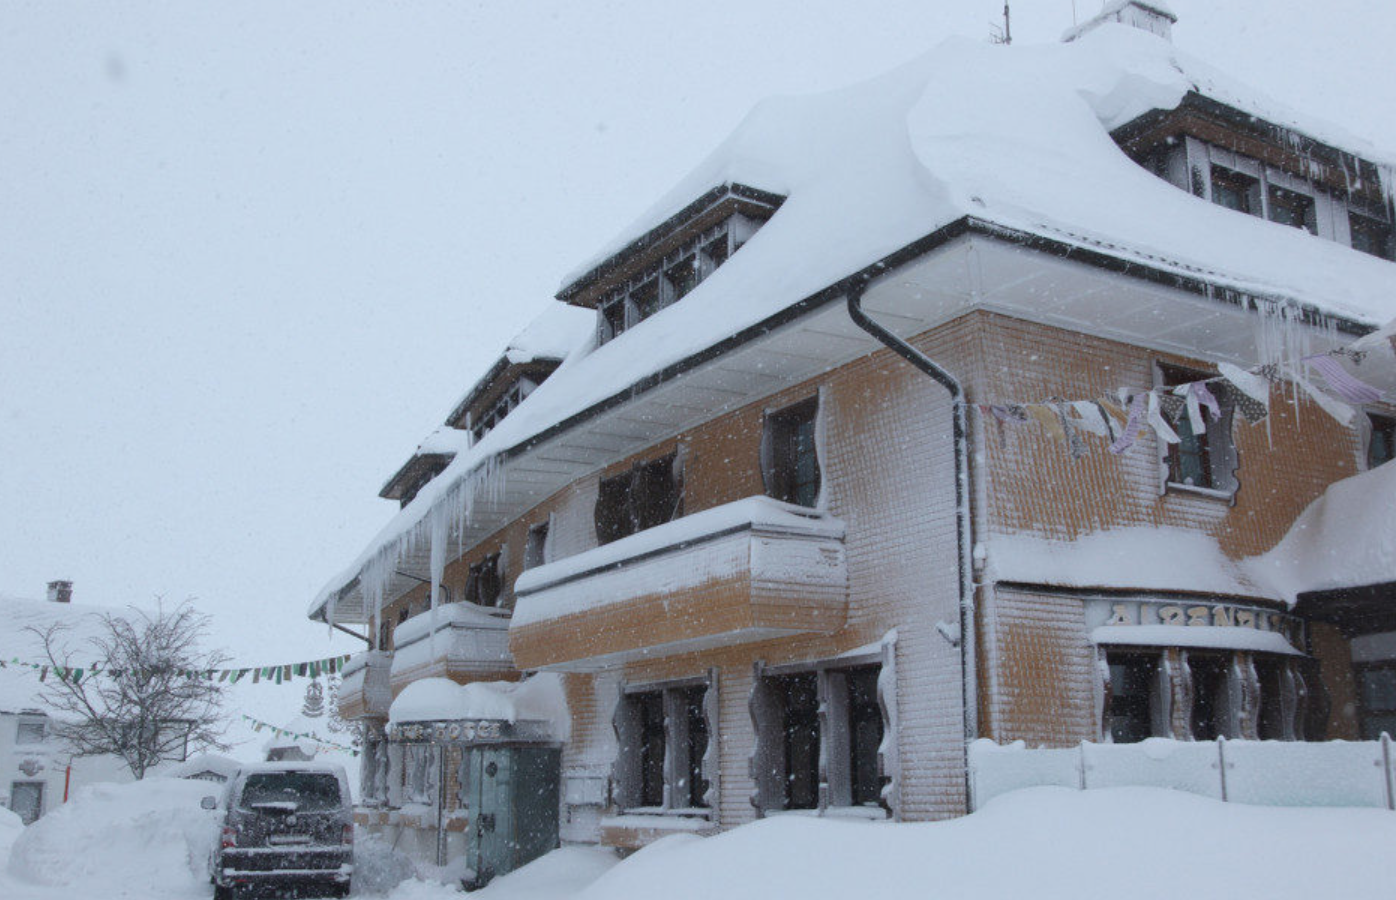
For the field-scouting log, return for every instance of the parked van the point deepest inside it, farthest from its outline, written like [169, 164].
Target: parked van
[285, 824]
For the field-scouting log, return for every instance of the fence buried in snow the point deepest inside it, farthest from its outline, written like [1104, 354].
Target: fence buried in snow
[1262, 773]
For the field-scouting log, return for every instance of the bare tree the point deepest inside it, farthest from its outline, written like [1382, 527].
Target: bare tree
[151, 695]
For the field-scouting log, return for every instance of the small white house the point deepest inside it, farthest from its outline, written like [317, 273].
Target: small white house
[38, 772]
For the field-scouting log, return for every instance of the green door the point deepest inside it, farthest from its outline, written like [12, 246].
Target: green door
[490, 847]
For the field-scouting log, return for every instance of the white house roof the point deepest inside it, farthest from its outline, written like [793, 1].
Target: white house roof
[19, 684]
[1016, 138]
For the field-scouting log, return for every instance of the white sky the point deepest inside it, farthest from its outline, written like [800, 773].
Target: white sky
[251, 253]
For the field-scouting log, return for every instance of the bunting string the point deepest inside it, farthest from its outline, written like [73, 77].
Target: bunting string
[259, 725]
[1121, 419]
[276, 674]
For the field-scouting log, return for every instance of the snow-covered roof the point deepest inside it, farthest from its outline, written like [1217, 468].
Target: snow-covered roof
[1345, 538]
[1014, 138]
[217, 763]
[20, 688]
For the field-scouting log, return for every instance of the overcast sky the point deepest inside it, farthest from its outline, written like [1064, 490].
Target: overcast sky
[251, 253]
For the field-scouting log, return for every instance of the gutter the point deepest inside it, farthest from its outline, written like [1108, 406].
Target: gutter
[963, 524]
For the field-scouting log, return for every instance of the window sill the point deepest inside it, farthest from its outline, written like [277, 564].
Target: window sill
[1174, 487]
[858, 813]
[659, 812]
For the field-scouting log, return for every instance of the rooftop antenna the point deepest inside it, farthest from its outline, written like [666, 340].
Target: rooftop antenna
[1073, 14]
[1004, 35]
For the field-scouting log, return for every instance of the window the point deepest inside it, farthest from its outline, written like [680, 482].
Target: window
[828, 720]
[1381, 443]
[489, 418]
[27, 800]
[799, 739]
[1209, 698]
[1376, 695]
[420, 771]
[483, 584]
[1370, 235]
[672, 278]
[1235, 191]
[664, 736]
[1293, 209]
[790, 457]
[30, 732]
[1134, 696]
[649, 494]
[536, 546]
[1201, 459]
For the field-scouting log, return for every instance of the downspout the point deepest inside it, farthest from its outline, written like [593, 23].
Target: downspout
[963, 523]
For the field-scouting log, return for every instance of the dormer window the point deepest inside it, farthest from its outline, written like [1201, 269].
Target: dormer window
[1370, 235]
[1293, 209]
[672, 278]
[1235, 191]
[502, 407]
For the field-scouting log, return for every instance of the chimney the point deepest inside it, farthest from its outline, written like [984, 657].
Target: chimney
[1152, 16]
[60, 592]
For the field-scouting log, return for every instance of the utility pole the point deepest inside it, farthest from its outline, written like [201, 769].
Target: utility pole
[1004, 34]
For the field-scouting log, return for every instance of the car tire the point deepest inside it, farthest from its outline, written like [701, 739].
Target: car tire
[223, 892]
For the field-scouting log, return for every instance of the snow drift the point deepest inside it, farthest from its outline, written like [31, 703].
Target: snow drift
[150, 836]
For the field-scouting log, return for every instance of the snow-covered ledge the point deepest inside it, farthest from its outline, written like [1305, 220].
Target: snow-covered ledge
[364, 689]
[459, 638]
[749, 570]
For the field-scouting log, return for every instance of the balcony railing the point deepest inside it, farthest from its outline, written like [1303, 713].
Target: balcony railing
[458, 639]
[364, 690]
[747, 571]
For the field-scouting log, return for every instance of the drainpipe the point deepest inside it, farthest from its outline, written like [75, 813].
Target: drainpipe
[963, 525]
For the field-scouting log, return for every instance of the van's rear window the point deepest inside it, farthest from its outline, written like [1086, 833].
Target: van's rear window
[307, 790]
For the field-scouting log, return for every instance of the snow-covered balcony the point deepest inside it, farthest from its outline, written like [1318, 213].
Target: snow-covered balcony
[364, 689]
[746, 571]
[457, 640]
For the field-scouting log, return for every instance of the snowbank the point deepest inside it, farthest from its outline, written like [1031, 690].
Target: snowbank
[150, 837]
[538, 699]
[1044, 843]
[11, 827]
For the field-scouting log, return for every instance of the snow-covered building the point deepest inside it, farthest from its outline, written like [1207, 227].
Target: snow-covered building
[37, 771]
[1021, 393]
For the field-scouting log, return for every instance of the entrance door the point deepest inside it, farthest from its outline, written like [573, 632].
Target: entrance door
[27, 800]
[490, 850]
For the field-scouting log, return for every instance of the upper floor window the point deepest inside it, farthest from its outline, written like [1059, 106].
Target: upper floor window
[1235, 191]
[790, 455]
[669, 280]
[1203, 457]
[30, 732]
[485, 581]
[536, 546]
[650, 494]
[1370, 235]
[1381, 443]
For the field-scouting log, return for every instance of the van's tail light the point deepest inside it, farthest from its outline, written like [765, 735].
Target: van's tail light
[348, 835]
[229, 837]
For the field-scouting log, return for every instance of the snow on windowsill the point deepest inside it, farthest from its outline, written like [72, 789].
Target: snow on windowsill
[656, 819]
[1177, 487]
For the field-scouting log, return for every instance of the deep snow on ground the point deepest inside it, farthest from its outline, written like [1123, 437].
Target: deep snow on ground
[143, 840]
